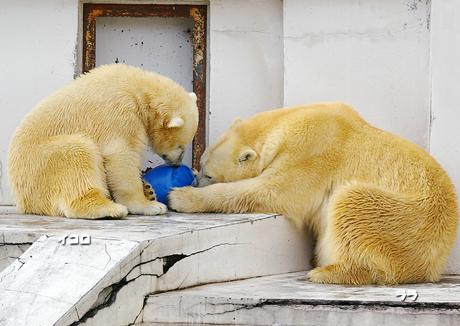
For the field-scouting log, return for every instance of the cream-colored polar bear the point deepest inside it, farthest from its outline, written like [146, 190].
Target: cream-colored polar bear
[82, 145]
[382, 209]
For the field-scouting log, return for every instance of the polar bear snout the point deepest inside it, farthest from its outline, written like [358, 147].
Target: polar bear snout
[172, 162]
[203, 180]
[174, 158]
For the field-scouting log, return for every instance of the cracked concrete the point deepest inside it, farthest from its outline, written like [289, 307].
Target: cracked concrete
[12, 246]
[108, 295]
[50, 274]
[106, 282]
[289, 299]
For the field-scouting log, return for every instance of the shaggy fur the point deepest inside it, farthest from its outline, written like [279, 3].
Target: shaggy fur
[382, 209]
[82, 146]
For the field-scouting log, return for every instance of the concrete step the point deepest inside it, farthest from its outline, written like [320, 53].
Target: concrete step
[61, 272]
[289, 299]
[102, 272]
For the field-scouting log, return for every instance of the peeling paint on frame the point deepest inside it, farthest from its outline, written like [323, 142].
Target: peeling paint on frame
[199, 15]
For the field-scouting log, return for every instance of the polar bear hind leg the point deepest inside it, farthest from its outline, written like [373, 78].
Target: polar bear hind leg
[341, 274]
[376, 236]
[83, 180]
[70, 180]
[92, 204]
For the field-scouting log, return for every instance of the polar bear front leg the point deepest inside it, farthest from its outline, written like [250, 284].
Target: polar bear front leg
[125, 183]
[188, 200]
[244, 196]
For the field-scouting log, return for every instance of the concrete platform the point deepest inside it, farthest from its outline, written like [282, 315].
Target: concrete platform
[99, 272]
[189, 269]
[289, 299]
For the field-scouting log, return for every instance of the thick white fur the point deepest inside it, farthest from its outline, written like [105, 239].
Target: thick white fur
[78, 152]
[383, 210]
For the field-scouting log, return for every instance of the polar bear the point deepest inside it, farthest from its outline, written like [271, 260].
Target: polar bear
[383, 211]
[78, 153]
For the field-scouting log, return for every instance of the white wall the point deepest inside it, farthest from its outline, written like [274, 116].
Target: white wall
[445, 71]
[38, 41]
[246, 61]
[372, 54]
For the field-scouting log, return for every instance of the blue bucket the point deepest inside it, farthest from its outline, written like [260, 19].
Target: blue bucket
[164, 177]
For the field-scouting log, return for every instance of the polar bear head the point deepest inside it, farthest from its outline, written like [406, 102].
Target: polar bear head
[232, 156]
[172, 125]
[245, 150]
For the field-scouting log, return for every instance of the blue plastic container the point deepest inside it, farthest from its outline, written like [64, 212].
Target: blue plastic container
[164, 177]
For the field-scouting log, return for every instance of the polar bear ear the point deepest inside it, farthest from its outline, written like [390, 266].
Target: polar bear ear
[270, 148]
[236, 122]
[247, 155]
[193, 96]
[176, 122]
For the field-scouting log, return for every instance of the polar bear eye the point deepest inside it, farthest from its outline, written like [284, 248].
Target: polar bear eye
[207, 176]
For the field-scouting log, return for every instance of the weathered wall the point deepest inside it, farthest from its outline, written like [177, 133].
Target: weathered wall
[372, 54]
[37, 56]
[246, 60]
[445, 113]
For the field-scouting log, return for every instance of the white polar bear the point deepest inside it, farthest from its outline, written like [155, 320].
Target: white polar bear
[78, 153]
[383, 210]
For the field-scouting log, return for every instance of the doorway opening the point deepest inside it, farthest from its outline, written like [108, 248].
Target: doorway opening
[167, 39]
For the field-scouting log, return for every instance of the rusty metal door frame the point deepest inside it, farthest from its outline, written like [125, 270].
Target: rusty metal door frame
[199, 15]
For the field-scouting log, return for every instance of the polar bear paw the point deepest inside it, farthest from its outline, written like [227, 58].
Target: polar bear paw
[343, 274]
[315, 276]
[152, 208]
[116, 211]
[148, 191]
[185, 200]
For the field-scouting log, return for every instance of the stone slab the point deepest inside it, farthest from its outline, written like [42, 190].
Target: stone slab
[133, 227]
[50, 278]
[13, 245]
[290, 300]
[98, 272]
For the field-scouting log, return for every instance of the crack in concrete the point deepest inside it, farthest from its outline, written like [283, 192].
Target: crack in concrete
[22, 263]
[140, 312]
[1, 279]
[109, 294]
[15, 244]
[237, 307]
[76, 311]
[110, 257]
[344, 304]
[169, 261]
[341, 305]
